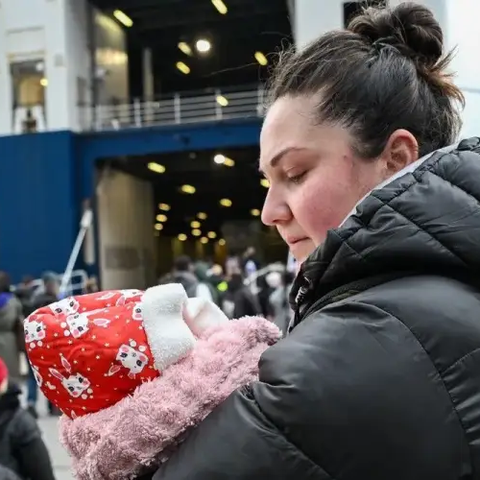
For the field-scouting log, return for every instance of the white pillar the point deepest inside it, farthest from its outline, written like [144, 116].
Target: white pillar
[312, 18]
[148, 78]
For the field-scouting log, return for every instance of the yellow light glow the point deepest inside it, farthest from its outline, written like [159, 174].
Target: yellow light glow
[211, 235]
[255, 212]
[229, 162]
[222, 242]
[190, 189]
[156, 167]
[202, 215]
[164, 206]
[203, 46]
[225, 202]
[182, 237]
[185, 48]
[261, 58]
[161, 218]
[183, 67]
[123, 18]
[265, 183]
[204, 240]
[158, 227]
[220, 6]
[196, 232]
[222, 101]
[44, 82]
[195, 224]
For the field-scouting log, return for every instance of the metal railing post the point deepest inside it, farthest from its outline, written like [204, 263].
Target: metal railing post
[177, 108]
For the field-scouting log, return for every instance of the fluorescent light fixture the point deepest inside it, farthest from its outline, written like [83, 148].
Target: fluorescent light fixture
[196, 232]
[123, 18]
[185, 48]
[222, 101]
[158, 227]
[202, 215]
[203, 46]
[265, 183]
[219, 159]
[156, 167]
[161, 218]
[183, 67]
[255, 212]
[204, 240]
[182, 237]
[164, 206]
[43, 82]
[190, 189]
[261, 58]
[225, 202]
[211, 235]
[222, 242]
[220, 6]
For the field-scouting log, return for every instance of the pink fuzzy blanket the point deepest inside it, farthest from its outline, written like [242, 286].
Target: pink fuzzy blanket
[142, 430]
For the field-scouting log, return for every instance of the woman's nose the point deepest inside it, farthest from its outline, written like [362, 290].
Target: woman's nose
[275, 209]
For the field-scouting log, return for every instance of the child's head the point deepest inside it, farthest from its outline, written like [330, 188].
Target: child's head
[89, 352]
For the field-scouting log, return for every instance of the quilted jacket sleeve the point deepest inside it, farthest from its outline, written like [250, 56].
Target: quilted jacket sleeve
[351, 393]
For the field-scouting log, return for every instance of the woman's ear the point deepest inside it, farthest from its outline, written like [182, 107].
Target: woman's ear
[400, 151]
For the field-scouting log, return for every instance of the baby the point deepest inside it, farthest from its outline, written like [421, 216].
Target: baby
[133, 372]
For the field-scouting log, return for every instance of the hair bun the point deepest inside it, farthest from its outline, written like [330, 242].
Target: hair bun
[409, 27]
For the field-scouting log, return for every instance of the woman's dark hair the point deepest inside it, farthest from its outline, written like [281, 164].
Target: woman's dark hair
[386, 71]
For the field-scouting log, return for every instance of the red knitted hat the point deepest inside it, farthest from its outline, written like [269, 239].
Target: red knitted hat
[89, 352]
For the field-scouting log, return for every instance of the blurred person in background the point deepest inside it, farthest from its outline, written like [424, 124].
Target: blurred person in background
[279, 298]
[245, 303]
[378, 375]
[47, 295]
[11, 327]
[250, 263]
[183, 273]
[205, 287]
[22, 449]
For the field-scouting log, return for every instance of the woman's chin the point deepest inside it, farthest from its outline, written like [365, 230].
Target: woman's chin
[302, 249]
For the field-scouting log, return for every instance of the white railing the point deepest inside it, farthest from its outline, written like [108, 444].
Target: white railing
[179, 109]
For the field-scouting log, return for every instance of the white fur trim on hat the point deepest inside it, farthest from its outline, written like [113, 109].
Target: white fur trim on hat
[168, 335]
[201, 314]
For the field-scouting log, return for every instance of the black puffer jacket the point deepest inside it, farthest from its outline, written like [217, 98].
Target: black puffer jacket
[380, 381]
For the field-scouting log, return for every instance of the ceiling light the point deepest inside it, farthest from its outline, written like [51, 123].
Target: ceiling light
[158, 226]
[211, 235]
[164, 206]
[225, 202]
[204, 240]
[220, 6]
[156, 167]
[219, 159]
[185, 48]
[188, 189]
[203, 46]
[229, 162]
[122, 18]
[195, 224]
[161, 218]
[196, 232]
[202, 215]
[183, 67]
[255, 212]
[43, 82]
[222, 242]
[222, 101]
[261, 58]
[182, 237]
[265, 183]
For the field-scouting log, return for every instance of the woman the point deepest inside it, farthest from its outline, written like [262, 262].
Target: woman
[11, 327]
[379, 377]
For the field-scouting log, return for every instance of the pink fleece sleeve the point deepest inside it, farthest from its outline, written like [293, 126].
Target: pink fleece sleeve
[142, 430]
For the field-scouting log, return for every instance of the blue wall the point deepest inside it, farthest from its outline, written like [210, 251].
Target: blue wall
[45, 177]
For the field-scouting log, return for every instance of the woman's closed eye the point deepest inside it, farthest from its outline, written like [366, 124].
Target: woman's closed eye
[297, 178]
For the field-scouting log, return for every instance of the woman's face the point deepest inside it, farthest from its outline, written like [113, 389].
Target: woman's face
[315, 178]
